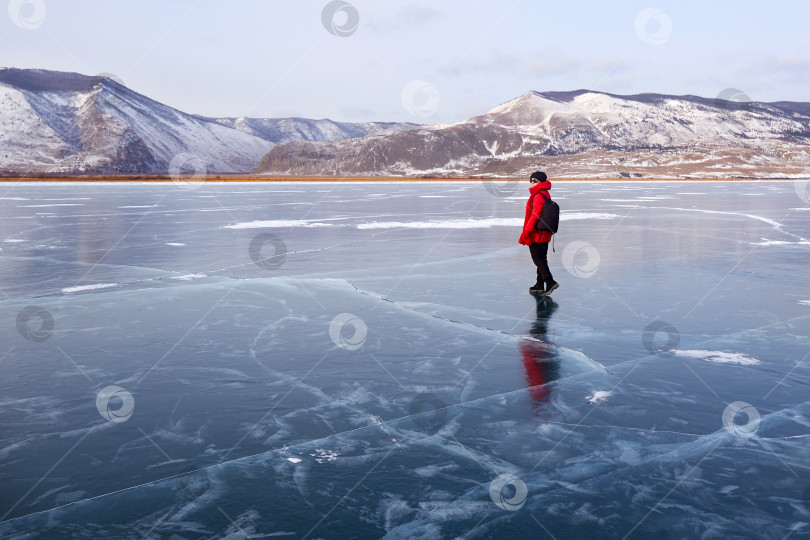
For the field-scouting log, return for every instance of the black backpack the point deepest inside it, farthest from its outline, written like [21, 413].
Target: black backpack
[549, 217]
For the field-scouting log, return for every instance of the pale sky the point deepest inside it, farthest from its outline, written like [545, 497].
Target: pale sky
[415, 61]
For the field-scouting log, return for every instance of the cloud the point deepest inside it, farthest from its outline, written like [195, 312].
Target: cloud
[609, 64]
[362, 114]
[409, 17]
[494, 63]
[546, 62]
[552, 65]
[766, 77]
[792, 69]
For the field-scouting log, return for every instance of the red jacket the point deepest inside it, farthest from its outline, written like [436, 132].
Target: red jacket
[534, 207]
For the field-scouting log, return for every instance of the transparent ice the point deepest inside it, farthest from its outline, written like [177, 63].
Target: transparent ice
[363, 360]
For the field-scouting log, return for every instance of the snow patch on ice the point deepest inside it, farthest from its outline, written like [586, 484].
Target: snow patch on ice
[175, 244]
[429, 471]
[89, 287]
[766, 242]
[720, 357]
[599, 396]
[324, 456]
[570, 216]
[274, 223]
[446, 224]
[474, 223]
[48, 205]
[804, 302]
[189, 277]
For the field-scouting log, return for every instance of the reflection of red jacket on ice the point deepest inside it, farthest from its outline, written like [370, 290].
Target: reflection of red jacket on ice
[534, 207]
[536, 375]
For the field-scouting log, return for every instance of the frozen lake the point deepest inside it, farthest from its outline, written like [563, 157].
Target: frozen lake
[363, 360]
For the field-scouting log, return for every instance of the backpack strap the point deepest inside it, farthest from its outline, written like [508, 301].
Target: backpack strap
[541, 193]
[548, 199]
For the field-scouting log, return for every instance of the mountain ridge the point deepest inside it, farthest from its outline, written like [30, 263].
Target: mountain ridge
[582, 133]
[67, 123]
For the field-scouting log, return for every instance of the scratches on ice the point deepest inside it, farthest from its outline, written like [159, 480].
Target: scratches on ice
[485, 329]
[773, 223]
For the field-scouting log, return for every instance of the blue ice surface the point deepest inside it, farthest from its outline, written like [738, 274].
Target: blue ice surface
[363, 360]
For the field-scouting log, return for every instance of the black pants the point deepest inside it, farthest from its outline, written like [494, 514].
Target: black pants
[539, 252]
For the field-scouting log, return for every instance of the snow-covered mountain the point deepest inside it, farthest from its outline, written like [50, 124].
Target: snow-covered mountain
[56, 122]
[582, 133]
[284, 130]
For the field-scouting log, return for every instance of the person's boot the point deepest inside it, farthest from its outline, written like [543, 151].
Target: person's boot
[537, 287]
[550, 286]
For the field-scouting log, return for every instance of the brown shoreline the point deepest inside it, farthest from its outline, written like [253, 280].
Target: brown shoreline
[257, 178]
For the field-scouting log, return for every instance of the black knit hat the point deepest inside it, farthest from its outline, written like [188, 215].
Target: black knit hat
[539, 176]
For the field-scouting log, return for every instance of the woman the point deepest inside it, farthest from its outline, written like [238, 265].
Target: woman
[538, 240]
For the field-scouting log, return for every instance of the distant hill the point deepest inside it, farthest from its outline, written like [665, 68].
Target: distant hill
[67, 123]
[581, 133]
[57, 122]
